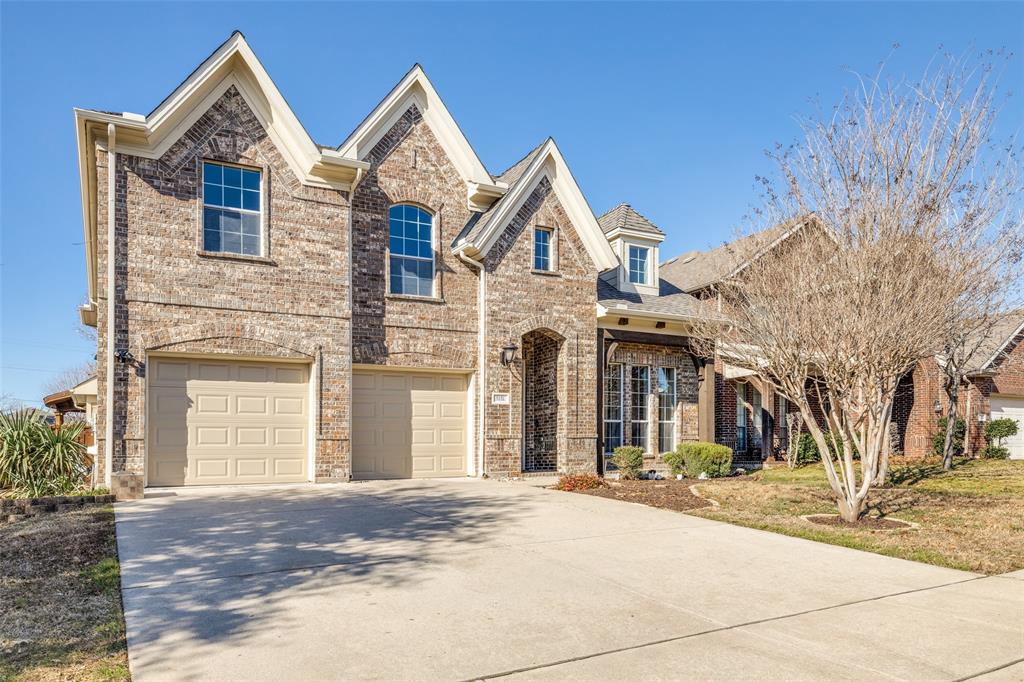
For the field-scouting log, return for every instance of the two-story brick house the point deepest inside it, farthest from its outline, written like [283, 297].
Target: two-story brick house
[285, 311]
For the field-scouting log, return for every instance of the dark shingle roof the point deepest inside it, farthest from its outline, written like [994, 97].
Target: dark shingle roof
[625, 217]
[479, 220]
[695, 270]
[669, 300]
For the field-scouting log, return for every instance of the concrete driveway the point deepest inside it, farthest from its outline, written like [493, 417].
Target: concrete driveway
[468, 579]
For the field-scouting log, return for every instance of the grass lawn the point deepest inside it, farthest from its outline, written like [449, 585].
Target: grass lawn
[60, 593]
[971, 518]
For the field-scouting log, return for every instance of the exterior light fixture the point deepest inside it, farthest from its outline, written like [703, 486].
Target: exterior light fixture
[937, 406]
[124, 356]
[508, 353]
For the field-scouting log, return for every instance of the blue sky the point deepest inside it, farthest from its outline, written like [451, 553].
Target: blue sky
[667, 106]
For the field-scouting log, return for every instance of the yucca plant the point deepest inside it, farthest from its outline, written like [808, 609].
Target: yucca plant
[37, 460]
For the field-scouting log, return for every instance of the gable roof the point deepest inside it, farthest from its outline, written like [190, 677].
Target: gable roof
[626, 218]
[416, 89]
[546, 161]
[1000, 337]
[695, 270]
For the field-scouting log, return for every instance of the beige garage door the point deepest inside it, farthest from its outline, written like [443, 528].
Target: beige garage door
[408, 425]
[1005, 407]
[214, 421]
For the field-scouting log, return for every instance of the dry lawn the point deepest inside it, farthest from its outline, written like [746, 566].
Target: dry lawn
[971, 518]
[61, 600]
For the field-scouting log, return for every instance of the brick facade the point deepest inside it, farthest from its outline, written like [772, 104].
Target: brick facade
[319, 295]
[915, 419]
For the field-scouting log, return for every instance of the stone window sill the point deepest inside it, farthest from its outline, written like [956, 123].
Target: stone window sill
[261, 260]
[414, 299]
[547, 273]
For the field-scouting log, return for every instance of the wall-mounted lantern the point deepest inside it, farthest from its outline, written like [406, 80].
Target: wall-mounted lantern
[937, 406]
[508, 353]
[125, 357]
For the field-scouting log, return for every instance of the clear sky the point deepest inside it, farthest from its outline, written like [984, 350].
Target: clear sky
[667, 106]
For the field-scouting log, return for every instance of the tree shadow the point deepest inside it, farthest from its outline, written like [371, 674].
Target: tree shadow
[911, 474]
[220, 568]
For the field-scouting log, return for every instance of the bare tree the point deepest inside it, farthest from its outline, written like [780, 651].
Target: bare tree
[889, 199]
[71, 377]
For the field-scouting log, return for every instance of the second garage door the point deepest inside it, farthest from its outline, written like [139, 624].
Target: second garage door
[408, 424]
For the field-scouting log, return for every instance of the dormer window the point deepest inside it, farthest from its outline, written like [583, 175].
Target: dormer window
[638, 264]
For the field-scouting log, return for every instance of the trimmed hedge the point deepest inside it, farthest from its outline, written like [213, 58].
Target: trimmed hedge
[710, 459]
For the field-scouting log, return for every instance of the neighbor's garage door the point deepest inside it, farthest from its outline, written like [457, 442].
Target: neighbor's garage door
[1014, 409]
[213, 421]
[408, 425]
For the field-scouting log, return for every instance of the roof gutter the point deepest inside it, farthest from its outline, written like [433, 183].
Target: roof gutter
[479, 469]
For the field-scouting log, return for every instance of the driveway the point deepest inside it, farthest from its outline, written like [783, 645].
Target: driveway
[469, 579]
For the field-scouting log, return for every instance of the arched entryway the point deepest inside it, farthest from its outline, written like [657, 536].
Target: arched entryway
[541, 349]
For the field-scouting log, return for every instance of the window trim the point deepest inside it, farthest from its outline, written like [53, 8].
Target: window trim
[646, 421]
[552, 251]
[674, 440]
[741, 419]
[647, 263]
[263, 213]
[433, 296]
[604, 407]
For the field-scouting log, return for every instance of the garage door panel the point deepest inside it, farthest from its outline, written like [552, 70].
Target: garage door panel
[245, 428]
[408, 424]
[1007, 407]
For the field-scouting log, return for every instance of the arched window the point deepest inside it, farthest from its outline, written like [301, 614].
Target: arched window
[411, 246]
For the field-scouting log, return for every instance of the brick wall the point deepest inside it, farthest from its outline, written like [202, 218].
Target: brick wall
[564, 304]
[170, 297]
[915, 419]
[540, 419]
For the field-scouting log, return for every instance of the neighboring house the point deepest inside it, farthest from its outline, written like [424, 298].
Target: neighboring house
[288, 311]
[750, 417]
[80, 399]
[994, 390]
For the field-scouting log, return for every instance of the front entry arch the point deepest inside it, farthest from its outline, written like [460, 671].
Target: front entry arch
[541, 400]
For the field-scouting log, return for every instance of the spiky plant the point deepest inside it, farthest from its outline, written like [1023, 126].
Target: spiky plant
[36, 459]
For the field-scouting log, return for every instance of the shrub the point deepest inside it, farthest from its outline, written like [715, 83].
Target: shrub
[995, 452]
[710, 459]
[807, 450]
[675, 461]
[629, 460]
[939, 437]
[572, 482]
[37, 460]
[998, 429]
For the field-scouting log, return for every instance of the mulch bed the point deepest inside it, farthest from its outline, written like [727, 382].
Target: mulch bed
[665, 494]
[865, 522]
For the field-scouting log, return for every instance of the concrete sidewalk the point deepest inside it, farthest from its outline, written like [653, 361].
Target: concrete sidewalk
[469, 579]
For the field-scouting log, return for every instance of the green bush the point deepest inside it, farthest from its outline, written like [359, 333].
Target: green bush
[629, 460]
[807, 450]
[995, 452]
[939, 437]
[998, 429]
[710, 459]
[675, 461]
[37, 460]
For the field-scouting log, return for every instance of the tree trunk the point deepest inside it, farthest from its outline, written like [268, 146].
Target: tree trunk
[951, 416]
[883, 463]
[850, 510]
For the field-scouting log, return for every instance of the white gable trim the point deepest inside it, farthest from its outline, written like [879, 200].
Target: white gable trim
[416, 89]
[1002, 347]
[548, 163]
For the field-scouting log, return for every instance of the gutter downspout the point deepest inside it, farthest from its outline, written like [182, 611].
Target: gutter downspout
[481, 355]
[108, 427]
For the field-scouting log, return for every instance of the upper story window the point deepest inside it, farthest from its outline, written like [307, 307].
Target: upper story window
[232, 209]
[411, 246]
[542, 238]
[638, 256]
